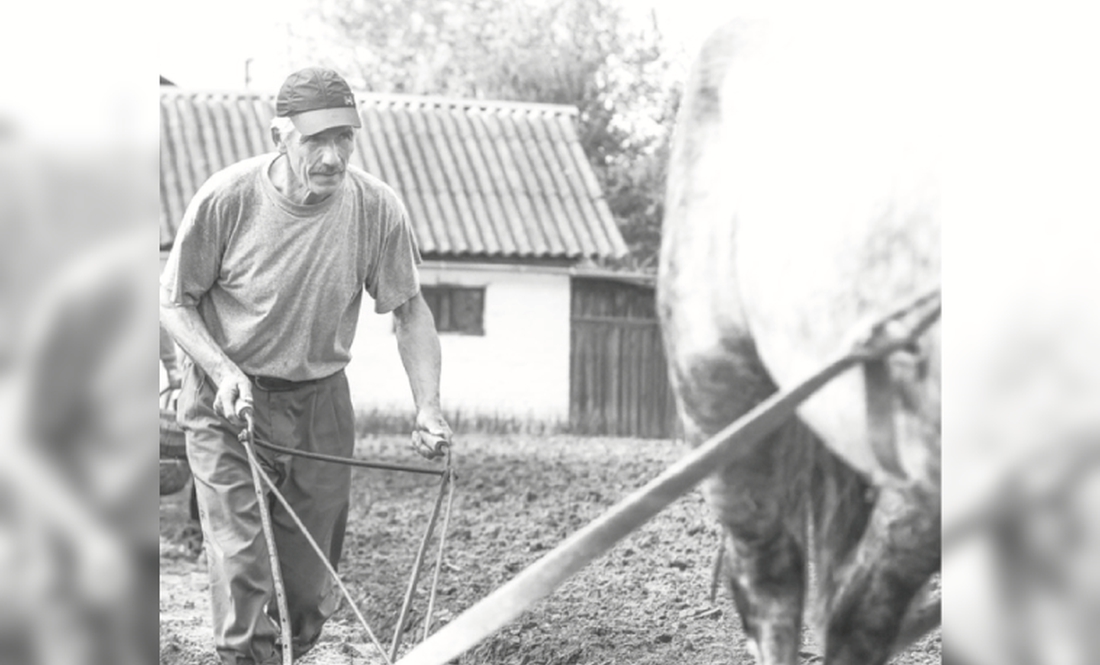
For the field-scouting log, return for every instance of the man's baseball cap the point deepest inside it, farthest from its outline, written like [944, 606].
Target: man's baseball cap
[317, 99]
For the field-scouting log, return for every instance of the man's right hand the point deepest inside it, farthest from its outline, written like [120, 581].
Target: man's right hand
[234, 392]
[184, 325]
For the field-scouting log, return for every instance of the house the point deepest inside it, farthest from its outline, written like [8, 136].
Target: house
[506, 210]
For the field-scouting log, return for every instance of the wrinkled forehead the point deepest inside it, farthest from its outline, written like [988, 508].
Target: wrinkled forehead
[287, 132]
[340, 132]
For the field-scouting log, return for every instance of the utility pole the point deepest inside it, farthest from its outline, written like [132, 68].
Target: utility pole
[247, 72]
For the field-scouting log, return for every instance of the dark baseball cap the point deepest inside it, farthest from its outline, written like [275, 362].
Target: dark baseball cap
[316, 99]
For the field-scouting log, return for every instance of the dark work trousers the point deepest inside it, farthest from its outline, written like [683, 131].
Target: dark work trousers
[315, 417]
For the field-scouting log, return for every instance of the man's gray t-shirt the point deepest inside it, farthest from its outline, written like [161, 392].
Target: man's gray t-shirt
[279, 284]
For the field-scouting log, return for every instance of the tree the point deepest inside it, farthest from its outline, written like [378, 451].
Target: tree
[580, 52]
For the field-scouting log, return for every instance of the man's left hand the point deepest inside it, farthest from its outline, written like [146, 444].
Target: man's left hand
[431, 435]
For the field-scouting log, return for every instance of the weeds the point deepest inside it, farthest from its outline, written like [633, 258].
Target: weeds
[379, 422]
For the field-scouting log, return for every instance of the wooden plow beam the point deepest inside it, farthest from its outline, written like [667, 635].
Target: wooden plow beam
[888, 334]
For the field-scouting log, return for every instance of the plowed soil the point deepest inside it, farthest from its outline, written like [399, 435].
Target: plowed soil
[644, 603]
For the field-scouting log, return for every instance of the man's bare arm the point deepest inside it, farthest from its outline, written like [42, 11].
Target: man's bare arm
[418, 344]
[189, 331]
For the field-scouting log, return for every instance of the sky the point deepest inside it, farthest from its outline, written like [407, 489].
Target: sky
[204, 43]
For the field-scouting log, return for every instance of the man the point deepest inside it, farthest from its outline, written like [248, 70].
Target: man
[262, 292]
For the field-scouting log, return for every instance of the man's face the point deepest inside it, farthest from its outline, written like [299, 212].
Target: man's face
[319, 161]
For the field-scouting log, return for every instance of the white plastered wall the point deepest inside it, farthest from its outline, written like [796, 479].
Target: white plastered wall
[519, 369]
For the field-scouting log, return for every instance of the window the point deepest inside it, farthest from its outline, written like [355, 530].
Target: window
[457, 309]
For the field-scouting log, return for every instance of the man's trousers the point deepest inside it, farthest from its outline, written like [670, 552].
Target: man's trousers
[315, 417]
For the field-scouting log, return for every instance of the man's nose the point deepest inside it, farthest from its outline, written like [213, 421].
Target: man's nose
[330, 156]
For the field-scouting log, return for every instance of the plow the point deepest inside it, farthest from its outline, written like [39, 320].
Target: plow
[175, 474]
[261, 478]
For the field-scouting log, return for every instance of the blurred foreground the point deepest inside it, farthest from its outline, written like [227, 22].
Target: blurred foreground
[78, 381]
[1021, 490]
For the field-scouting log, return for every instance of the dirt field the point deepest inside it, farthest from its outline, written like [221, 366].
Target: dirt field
[645, 603]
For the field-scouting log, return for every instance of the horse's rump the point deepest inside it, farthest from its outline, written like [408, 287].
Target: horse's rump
[829, 157]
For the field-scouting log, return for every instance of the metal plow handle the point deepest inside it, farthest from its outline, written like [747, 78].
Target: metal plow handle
[548, 573]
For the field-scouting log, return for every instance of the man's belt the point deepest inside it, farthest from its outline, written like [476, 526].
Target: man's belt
[274, 384]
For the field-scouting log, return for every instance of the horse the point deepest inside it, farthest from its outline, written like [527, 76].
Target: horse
[802, 201]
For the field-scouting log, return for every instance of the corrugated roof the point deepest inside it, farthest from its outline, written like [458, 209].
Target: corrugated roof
[491, 179]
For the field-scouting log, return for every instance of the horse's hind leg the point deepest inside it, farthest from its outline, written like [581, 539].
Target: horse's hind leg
[899, 552]
[764, 564]
[764, 561]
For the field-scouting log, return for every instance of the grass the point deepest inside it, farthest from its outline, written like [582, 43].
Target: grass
[378, 422]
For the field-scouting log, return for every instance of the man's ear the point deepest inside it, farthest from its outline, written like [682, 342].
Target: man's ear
[276, 139]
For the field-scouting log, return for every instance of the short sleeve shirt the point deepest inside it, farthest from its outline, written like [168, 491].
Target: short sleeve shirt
[279, 284]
